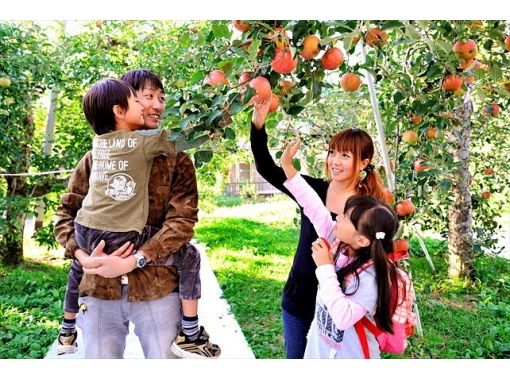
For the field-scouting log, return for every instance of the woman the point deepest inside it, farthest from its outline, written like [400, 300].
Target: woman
[349, 172]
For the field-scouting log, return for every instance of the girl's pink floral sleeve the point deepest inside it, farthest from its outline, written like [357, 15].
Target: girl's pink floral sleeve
[312, 205]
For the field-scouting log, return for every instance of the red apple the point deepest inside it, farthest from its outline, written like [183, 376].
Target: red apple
[418, 167]
[405, 207]
[410, 137]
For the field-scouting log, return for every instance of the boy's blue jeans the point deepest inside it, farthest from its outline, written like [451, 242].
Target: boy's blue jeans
[295, 330]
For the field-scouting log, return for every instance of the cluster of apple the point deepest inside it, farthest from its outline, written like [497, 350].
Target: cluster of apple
[310, 48]
[283, 62]
[466, 54]
[260, 84]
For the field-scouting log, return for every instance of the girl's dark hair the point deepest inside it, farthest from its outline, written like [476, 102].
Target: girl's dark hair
[141, 78]
[361, 145]
[99, 100]
[369, 216]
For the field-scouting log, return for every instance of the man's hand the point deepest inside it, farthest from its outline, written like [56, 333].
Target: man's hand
[321, 253]
[84, 258]
[118, 263]
[125, 251]
[112, 266]
[99, 250]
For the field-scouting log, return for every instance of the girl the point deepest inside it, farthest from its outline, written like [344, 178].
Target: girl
[354, 276]
[347, 174]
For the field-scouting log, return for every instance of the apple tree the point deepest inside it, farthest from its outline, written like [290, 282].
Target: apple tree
[442, 99]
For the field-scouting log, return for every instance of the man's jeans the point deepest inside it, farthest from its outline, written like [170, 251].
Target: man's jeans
[105, 325]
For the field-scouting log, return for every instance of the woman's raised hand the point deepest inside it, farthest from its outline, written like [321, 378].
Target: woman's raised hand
[260, 111]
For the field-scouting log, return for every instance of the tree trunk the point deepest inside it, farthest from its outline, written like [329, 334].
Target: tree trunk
[18, 193]
[12, 246]
[460, 236]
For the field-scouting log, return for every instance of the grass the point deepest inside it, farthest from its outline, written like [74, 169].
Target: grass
[251, 261]
[251, 249]
[30, 308]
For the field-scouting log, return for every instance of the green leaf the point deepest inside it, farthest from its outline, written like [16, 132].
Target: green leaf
[419, 108]
[172, 111]
[430, 105]
[184, 107]
[392, 24]
[316, 90]
[184, 40]
[398, 97]
[225, 66]
[202, 157]
[296, 163]
[235, 107]
[217, 101]
[294, 110]
[184, 122]
[412, 33]
[253, 50]
[212, 116]
[248, 94]
[230, 133]
[342, 27]
[174, 135]
[197, 76]
[445, 185]
[348, 42]
[434, 71]
[495, 73]
[220, 29]
[296, 98]
[326, 40]
[479, 93]
[446, 46]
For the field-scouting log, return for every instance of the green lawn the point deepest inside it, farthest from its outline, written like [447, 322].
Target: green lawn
[30, 308]
[251, 250]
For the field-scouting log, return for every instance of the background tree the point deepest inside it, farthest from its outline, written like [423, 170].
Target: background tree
[412, 63]
[26, 69]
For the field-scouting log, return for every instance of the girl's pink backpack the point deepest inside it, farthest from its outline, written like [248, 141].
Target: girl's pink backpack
[404, 319]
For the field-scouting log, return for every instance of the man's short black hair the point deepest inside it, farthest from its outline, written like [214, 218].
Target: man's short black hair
[141, 78]
[99, 100]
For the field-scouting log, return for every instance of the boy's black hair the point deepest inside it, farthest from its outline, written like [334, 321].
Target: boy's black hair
[141, 78]
[99, 100]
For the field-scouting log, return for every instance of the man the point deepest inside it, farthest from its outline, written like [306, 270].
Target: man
[118, 289]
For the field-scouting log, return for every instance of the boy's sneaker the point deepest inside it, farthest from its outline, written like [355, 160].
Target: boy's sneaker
[200, 348]
[67, 342]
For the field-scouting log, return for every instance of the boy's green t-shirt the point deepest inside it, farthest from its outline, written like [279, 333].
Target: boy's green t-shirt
[117, 199]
